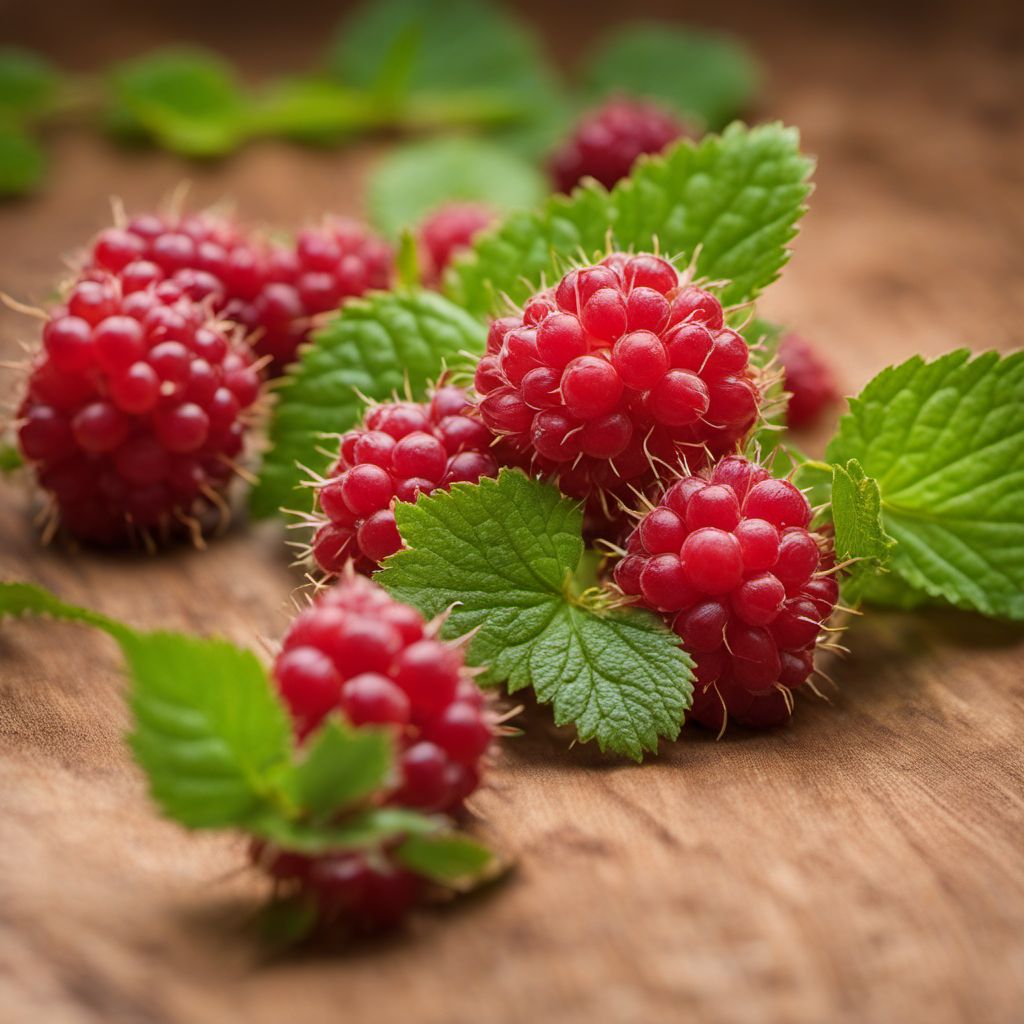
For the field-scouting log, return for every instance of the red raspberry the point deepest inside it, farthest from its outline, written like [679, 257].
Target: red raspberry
[133, 413]
[729, 561]
[808, 378]
[607, 141]
[374, 661]
[336, 261]
[273, 290]
[622, 366]
[447, 232]
[403, 449]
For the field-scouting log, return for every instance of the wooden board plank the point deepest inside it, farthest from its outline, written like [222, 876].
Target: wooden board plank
[863, 865]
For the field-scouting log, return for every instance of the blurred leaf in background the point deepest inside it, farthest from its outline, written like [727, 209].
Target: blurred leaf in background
[28, 85]
[444, 62]
[415, 180]
[22, 162]
[186, 100]
[708, 76]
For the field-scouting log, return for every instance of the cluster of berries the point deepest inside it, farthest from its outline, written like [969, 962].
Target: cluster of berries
[729, 560]
[272, 289]
[358, 653]
[621, 372]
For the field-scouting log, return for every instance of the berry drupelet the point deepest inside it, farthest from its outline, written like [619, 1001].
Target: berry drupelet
[730, 562]
[808, 379]
[447, 232]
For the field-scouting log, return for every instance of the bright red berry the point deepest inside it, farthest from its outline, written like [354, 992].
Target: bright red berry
[404, 449]
[727, 557]
[607, 141]
[621, 371]
[361, 655]
[133, 415]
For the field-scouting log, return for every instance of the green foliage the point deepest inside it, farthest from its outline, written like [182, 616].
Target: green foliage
[503, 555]
[945, 442]
[28, 85]
[859, 531]
[413, 181]
[22, 162]
[375, 346]
[448, 859]
[424, 57]
[186, 100]
[736, 196]
[707, 76]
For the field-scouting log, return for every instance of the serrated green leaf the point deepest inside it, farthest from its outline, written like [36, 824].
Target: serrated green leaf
[374, 346]
[443, 61]
[186, 100]
[340, 767]
[28, 85]
[859, 532]
[415, 180]
[448, 858]
[703, 74]
[209, 730]
[503, 554]
[359, 831]
[22, 161]
[737, 196]
[945, 441]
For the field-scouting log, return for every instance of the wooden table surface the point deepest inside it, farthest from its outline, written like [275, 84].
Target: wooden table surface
[864, 864]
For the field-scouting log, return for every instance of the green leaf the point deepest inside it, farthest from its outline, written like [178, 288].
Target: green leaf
[360, 831]
[313, 110]
[859, 532]
[10, 459]
[209, 730]
[945, 442]
[341, 767]
[502, 554]
[703, 74]
[376, 346]
[443, 61]
[28, 85]
[22, 162]
[413, 181]
[186, 100]
[737, 196]
[449, 859]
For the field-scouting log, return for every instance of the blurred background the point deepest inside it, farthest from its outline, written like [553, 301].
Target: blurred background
[913, 110]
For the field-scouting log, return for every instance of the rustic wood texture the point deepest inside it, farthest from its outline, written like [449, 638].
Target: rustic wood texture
[864, 864]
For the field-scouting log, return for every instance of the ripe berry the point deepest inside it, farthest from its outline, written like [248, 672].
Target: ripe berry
[728, 559]
[808, 379]
[361, 655]
[447, 232]
[272, 289]
[607, 141]
[133, 411]
[622, 370]
[404, 449]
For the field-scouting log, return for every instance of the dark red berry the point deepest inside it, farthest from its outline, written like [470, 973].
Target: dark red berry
[728, 558]
[607, 141]
[448, 231]
[808, 379]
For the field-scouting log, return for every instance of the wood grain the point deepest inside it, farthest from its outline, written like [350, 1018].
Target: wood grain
[864, 864]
